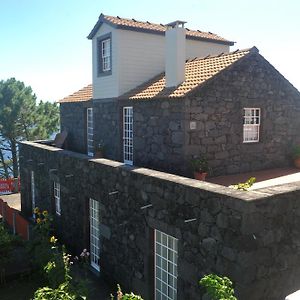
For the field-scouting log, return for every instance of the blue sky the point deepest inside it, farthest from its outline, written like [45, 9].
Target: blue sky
[43, 43]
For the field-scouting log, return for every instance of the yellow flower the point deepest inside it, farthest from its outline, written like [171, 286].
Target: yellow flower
[45, 213]
[38, 221]
[53, 240]
[36, 210]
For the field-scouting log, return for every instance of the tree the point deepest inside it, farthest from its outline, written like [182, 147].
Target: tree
[21, 118]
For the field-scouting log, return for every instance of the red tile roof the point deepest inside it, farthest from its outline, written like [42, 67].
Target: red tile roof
[85, 94]
[132, 24]
[197, 72]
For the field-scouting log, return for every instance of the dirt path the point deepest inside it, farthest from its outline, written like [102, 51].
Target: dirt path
[13, 200]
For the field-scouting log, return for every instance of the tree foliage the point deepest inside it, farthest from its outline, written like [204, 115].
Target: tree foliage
[22, 118]
[218, 288]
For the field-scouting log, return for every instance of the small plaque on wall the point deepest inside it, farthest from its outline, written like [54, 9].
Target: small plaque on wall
[193, 125]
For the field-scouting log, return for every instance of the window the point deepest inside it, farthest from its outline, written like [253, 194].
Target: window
[90, 132]
[166, 253]
[32, 193]
[104, 55]
[57, 198]
[251, 125]
[94, 234]
[128, 135]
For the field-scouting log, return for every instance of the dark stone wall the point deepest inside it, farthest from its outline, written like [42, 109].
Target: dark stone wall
[217, 109]
[252, 237]
[158, 134]
[73, 120]
[107, 128]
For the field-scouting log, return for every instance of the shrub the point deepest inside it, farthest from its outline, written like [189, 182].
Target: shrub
[62, 292]
[7, 241]
[58, 267]
[121, 296]
[218, 288]
[244, 186]
[40, 246]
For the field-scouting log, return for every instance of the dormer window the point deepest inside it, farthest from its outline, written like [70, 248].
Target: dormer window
[104, 55]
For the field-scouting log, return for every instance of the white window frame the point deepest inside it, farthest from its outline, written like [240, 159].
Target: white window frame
[128, 135]
[57, 198]
[165, 257]
[251, 124]
[32, 193]
[105, 55]
[95, 234]
[90, 131]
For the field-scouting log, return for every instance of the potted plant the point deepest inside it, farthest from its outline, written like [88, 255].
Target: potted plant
[200, 167]
[296, 156]
[100, 150]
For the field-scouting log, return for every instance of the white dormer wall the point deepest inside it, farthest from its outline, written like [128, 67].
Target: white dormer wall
[137, 57]
[201, 48]
[106, 86]
[141, 58]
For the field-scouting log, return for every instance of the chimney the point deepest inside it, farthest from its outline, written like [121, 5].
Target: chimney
[175, 53]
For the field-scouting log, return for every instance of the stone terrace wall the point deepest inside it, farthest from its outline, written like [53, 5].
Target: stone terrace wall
[217, 110]
[253, 237]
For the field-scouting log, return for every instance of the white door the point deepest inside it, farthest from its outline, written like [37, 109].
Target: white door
[90, 132]
[32, 193]
[94, 234]
[128, 135]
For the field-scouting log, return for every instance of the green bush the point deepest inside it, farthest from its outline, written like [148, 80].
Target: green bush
[7, 241]
[121, 296]
[40, 246]
[58, 267]
[218, 288]
[62, 292]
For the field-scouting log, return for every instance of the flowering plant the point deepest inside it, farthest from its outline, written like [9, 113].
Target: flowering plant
[121, 296]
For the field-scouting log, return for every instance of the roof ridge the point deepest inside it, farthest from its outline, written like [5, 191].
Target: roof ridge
[160, 24]
[209, 56]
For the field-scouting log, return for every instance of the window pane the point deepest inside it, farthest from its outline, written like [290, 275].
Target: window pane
[166, 270]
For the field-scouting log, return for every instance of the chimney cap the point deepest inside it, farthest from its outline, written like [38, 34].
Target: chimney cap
[176, 24]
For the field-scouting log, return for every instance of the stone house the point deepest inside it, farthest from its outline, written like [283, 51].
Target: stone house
[160, 96]
[234, 108]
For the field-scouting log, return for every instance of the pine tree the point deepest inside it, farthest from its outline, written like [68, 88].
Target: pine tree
[21, 118]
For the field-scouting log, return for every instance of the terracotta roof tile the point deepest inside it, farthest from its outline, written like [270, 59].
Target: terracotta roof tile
[197, 72]
[155, 28]
[85, 94]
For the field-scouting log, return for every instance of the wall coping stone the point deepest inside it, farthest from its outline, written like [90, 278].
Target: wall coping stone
[247, 196]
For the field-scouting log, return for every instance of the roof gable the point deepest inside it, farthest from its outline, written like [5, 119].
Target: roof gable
[134, 25]
[197, 72]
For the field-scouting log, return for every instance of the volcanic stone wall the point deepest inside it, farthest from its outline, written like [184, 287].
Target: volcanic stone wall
[73, 119]
[217, 110]
[252, 237]
[107, 127]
